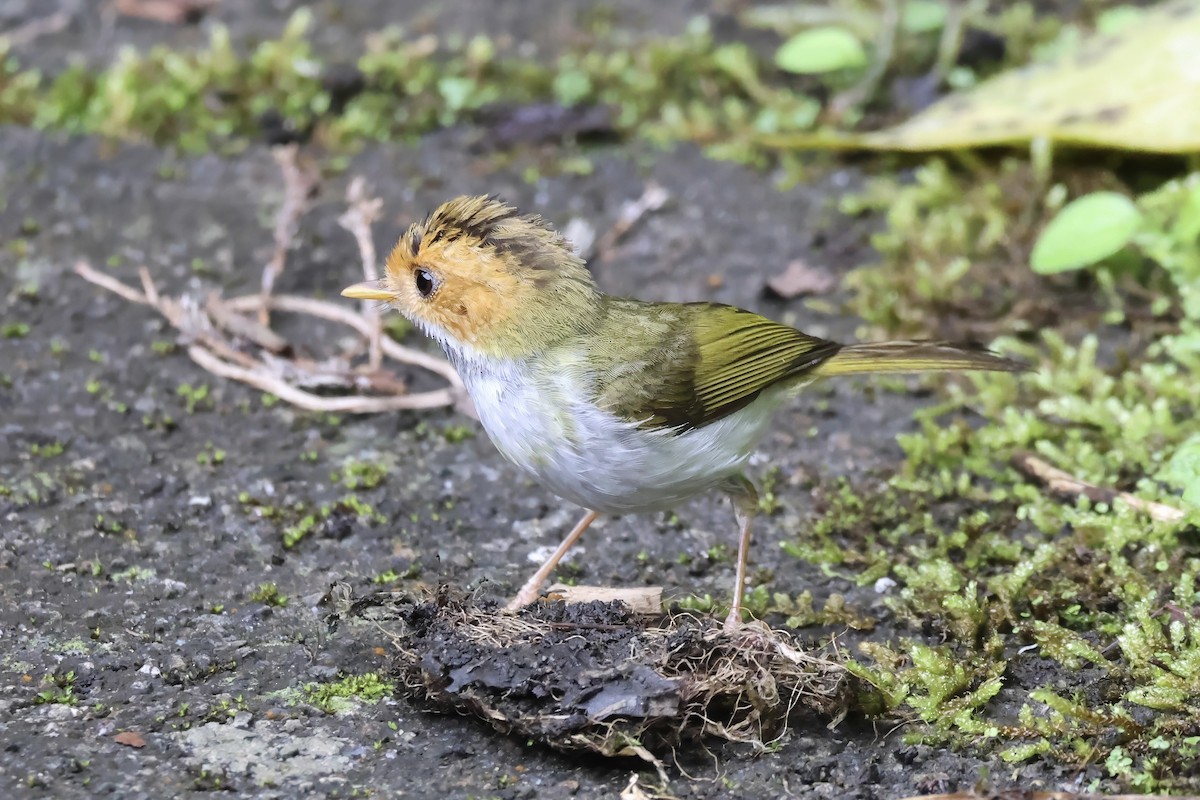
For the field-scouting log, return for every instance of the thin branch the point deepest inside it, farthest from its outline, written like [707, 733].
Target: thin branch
[312, 402]
[364, 210]
[299, 186]
[335, 313]
[225, 318]
[653, 198]
[168, 11]
[36, 28]
[85, 271]
[278, 375]
[224, 339]
[148, 287]
[1066, 485]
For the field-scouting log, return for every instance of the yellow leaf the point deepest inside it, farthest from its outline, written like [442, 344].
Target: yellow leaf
[1138, 89]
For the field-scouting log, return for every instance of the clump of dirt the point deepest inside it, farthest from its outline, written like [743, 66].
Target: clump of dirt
[596, 677]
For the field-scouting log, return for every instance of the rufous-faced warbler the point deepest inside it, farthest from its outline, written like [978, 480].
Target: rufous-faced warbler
[618, 405]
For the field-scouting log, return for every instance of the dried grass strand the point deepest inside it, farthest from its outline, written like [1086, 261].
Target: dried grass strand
[299, 185]
[358, 218]
[1067, 485]
[216, 355]
[335, 313]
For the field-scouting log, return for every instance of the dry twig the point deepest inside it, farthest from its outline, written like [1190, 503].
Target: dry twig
[210, 345]
[359, 217]
[639, 599]
[169, 11]
[335, 313]
[36, 28]
[225, 338]
[652, 199]
[1067, 485]
[299, 187]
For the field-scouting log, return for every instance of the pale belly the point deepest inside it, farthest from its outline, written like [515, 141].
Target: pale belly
[599, 461]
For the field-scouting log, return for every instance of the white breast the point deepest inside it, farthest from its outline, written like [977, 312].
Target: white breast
[542, 422]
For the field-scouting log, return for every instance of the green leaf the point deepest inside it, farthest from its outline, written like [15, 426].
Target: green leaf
[1183, 469]
[819, 50]
[1108, 92]
[456, 91]
[923, 16]
[1089, 229]
[1162, 698]
[572, 86]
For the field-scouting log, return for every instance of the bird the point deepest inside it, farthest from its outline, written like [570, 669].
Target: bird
[618, 405]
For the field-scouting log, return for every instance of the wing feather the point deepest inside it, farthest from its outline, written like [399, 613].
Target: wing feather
[712, 361]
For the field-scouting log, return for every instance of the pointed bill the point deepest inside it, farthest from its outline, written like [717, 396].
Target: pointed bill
[369, 290]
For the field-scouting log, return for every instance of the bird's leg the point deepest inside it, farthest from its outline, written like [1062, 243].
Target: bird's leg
[532, 588]
[744, 497]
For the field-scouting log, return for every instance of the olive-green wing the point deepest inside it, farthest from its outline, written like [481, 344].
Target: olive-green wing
[716, 361]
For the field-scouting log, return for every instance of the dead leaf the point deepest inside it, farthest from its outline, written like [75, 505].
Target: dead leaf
[640, 600]
[130, 739]
[1131, 90]
[800, 278]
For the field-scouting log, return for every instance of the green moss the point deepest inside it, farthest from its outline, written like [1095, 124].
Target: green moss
[295, 533]
[195, 398]
[51, 450]
[397, 327]
[358, 475]
[345, 694]
[298, 521]
[457, 434]
[61, 690]
[684, 87]
[210, 456]
[269, 595]
[134, 575]
[991, 563]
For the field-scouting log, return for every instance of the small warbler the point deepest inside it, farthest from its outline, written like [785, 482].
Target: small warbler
[618, 405]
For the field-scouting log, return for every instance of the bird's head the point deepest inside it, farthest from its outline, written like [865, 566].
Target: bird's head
[485, 281]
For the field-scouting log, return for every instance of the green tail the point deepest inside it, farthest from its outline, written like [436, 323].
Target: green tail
[854, 359]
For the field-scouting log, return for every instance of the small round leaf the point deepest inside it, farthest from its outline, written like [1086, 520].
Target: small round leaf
[819, 50]
[1183, 469]
[923, 16]
[1087, 230]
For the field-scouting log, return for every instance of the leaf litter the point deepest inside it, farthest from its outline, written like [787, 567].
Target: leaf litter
[597, 677]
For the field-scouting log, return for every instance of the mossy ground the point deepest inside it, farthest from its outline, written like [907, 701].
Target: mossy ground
[994, 568]
[1013, 626]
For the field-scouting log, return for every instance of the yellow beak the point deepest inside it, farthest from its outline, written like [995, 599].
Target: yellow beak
[369, 290]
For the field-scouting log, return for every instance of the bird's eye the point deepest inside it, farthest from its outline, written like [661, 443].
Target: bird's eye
[425, 282]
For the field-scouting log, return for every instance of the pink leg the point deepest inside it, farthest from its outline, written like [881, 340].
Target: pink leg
[745, 504]
[533, 587]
